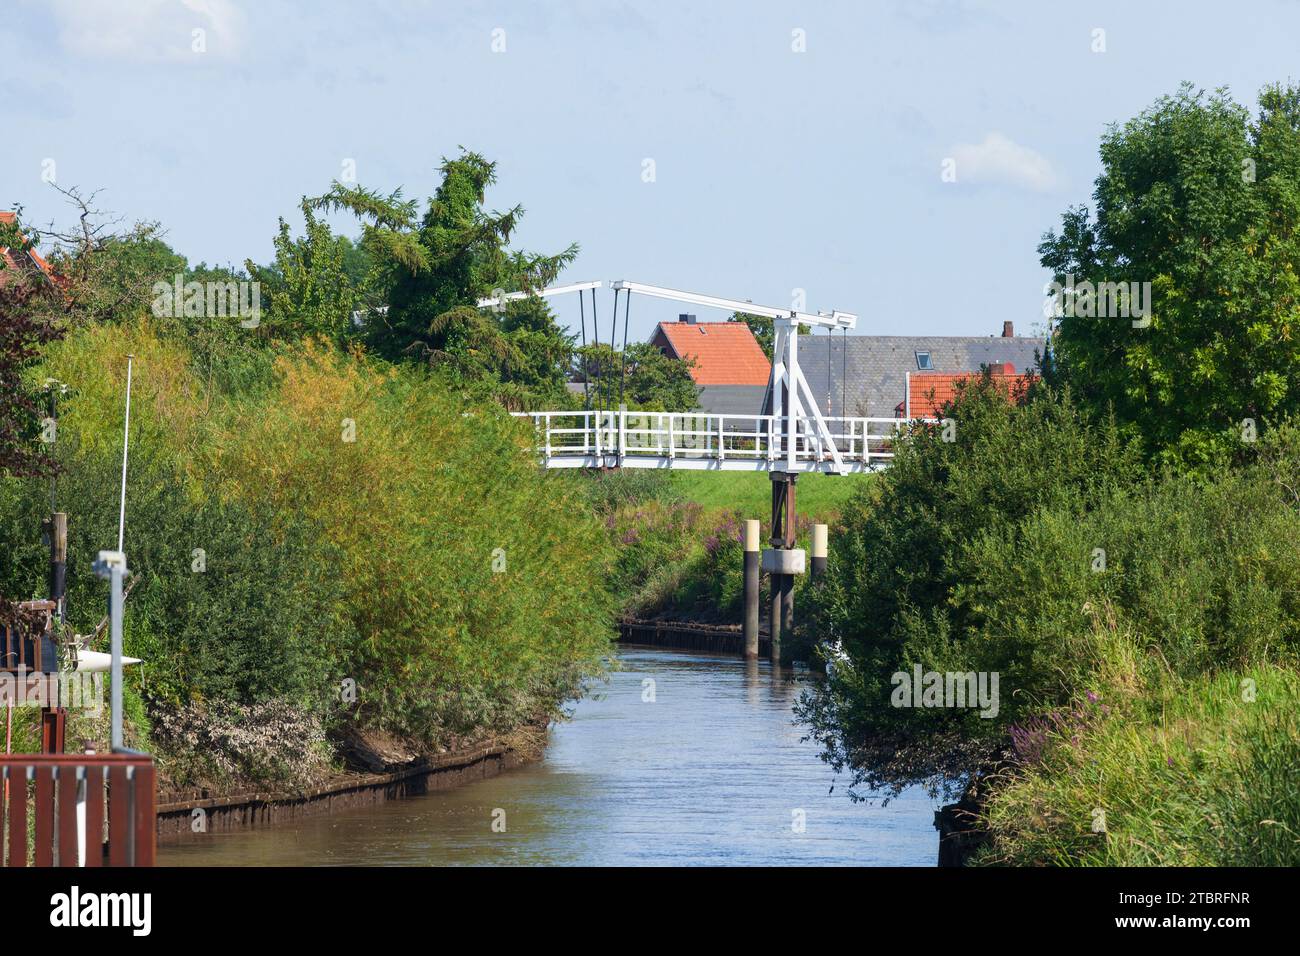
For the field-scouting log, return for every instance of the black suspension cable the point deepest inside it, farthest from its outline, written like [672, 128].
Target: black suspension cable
[613, 340]
[595, 330]
[830, 340]
[586, 377]
[622, 371]
[844, 371]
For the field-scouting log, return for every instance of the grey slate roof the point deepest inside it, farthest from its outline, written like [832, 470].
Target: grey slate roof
[732, 399]
[867, 374]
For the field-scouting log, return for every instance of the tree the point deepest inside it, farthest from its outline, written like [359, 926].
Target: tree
[764, 331]
[316, 283]
[433, 271]
[25, 326]
[651, 381]
[106, 274]
[1203, 204]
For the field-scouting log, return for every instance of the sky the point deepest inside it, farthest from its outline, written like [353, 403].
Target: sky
[899, 159]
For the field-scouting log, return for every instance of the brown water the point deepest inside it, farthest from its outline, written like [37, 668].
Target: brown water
[712, 771]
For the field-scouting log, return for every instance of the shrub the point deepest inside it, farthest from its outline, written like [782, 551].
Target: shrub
[429, 560]
[899, 592]
[268, 742]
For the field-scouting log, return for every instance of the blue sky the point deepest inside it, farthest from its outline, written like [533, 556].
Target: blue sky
[774, 169]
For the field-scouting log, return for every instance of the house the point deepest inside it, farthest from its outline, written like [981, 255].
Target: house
[928, 392]
[730, 366]
[17, 261]
[869, 375]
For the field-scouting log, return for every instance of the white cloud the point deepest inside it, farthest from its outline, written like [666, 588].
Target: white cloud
[999, 160]
[149, 30]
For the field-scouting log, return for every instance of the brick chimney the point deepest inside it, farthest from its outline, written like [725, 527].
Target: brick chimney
[1008, 330]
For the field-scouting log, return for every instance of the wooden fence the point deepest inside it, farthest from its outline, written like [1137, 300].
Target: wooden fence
[77, 810]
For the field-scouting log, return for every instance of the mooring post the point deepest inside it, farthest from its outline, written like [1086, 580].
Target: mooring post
[54, 717]
[752, 560]
[774, 577]
[787, 580]
[818, 550]
[783, 565]
[58, 562]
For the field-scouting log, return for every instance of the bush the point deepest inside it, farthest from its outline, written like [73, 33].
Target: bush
[429, 560]
[899, 590]
[270, 742]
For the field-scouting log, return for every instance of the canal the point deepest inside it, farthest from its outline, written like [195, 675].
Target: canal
[681, 758]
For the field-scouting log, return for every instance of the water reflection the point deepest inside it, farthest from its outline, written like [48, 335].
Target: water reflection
[679, 759]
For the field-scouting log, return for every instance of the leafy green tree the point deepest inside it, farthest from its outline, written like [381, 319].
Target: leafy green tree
[23, 333]
[1202, 202]
[543, 350]
[105, 274]
[315, 284]
[651, 380]
[434, 269]
[763, 330]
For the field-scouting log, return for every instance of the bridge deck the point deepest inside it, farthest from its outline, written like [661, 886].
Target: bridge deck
[703, 442]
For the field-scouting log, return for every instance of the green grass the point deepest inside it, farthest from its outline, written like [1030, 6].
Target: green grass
[817, 496]
[1201, 773]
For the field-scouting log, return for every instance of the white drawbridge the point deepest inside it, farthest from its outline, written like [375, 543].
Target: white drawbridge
[791, 435]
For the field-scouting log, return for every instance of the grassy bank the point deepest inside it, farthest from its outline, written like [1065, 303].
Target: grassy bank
[679, 536]
[750, 493]
[1190, 773]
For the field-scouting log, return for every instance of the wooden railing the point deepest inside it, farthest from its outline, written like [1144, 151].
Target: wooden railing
[58, 810]
[29, 650]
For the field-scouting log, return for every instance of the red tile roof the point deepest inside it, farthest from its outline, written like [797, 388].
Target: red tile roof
[725, 353]
[929, 392]
[11, 256]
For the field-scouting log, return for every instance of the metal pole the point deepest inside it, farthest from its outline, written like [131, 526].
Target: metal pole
[126, 440]
[115, 625]
[752, 561]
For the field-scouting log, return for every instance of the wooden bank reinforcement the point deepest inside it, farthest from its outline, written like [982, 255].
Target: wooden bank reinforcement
[251, 810]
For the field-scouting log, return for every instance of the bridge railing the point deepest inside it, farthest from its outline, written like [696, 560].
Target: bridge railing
[601, 438]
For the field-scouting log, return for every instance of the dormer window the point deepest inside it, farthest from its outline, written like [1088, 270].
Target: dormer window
[923, 362]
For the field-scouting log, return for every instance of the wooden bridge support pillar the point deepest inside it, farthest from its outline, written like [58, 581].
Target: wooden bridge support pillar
[783, 512]
[753, 559]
